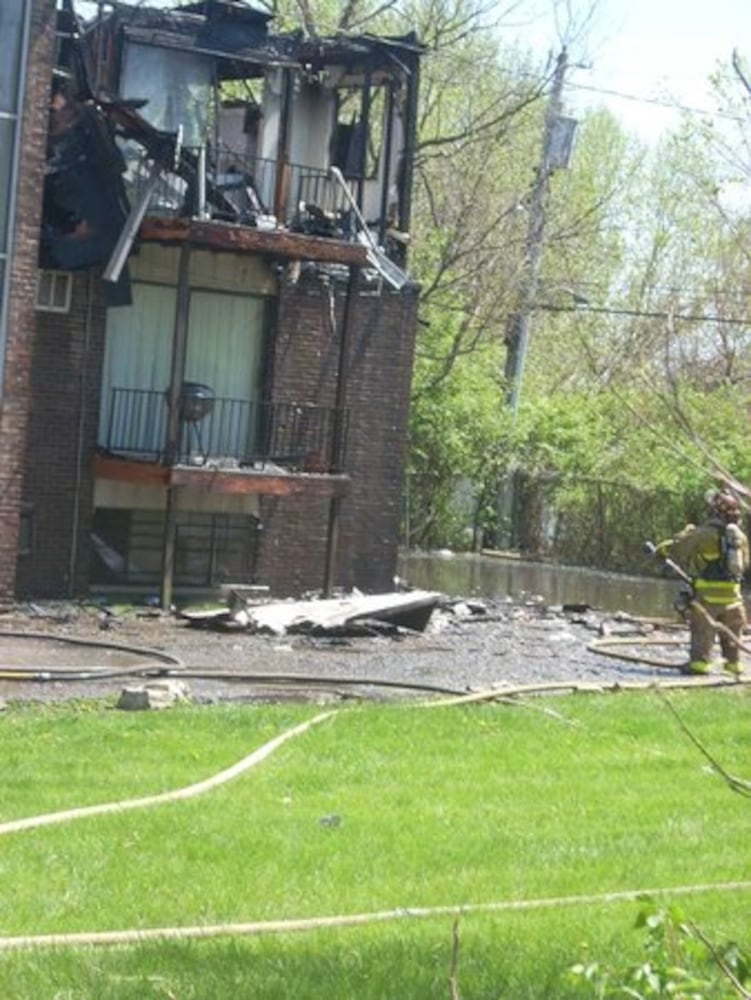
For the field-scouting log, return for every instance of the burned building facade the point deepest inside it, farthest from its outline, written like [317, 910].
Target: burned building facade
[208, 291]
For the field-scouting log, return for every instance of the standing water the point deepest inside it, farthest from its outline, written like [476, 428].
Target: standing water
[467, 575]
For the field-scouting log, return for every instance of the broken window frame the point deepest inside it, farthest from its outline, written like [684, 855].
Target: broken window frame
[134, 539]
[349, 105]
[373, 69]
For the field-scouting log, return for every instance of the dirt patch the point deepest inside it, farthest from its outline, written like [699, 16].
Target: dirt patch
[467, 646]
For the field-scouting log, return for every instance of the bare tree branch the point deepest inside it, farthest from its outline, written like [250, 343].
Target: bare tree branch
[355, 24]
[306, 16]
[721, 963]
[736, 784]
[481, 125]
[739, 71]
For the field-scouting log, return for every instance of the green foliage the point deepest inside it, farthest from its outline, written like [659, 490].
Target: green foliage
[626, 392]
[566, 434]
[679, 962]
[458, 433]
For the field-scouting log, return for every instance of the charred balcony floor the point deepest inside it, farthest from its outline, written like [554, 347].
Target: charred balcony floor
[232, 236]
[268, 479]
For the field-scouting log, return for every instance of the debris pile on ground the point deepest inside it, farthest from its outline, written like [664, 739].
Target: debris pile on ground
[355, 613]
[329, 651]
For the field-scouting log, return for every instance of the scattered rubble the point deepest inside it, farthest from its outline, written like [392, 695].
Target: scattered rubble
[339, 650]
[156, 694]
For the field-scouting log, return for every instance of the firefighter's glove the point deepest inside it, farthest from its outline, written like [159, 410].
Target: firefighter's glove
[662, 550]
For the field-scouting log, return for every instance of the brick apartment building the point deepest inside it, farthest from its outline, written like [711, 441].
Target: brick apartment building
[206, 324]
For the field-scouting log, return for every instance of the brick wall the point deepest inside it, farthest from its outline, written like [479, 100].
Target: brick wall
[65, 383]
[61, 439]
[23, 270]
[380, 380]
[293, 541]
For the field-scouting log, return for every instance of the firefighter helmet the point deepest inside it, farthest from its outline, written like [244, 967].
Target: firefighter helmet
[725, 505]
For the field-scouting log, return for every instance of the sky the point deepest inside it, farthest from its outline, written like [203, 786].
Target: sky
[650, 49]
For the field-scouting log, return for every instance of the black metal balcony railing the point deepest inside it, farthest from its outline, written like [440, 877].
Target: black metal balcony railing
[299, 437]
[222, 184]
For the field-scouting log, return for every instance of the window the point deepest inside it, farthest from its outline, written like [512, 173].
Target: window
[209, 548]
[176, 85]
[356, 146]
[225, 352]
[54, 291]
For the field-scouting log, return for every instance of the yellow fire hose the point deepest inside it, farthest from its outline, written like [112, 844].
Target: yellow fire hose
[134, 936]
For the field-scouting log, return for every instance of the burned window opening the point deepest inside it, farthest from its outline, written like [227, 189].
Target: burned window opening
[356, 144]
[243, 125]
[211, 548]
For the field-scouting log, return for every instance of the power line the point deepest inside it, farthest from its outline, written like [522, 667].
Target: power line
[598, 289]
[642, 314]
[659, 102]
[591, 289]
[640, 99]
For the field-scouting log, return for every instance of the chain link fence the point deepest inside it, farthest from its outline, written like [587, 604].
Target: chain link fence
[592, 522]
[577, 521]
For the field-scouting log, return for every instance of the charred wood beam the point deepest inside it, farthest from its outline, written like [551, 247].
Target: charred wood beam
[388, 143]
[365, 99]
[203, 480]
[282, 151]
[232, 237]
[163, 148]
[129, 124]
[410, 143]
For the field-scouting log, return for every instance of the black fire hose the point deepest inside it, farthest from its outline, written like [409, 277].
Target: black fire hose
[157, 662]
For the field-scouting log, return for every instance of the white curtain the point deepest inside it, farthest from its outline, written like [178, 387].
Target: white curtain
[137, 355]
[225, 344]
[225, 340]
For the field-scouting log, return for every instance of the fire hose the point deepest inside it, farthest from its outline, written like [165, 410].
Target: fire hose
[133, 936]
[139, 935]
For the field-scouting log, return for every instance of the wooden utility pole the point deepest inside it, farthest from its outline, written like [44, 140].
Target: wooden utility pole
[517, 329]
[556, 143]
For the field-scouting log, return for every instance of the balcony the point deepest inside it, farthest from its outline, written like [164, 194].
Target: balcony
[227, 434]
[227, 186]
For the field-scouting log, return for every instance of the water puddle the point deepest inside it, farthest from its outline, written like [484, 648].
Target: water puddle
[463, 574]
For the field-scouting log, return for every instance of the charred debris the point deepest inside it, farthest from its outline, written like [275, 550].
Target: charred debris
[202, 113]
[353, 614]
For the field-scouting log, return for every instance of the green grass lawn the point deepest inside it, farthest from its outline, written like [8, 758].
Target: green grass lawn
[377, 808]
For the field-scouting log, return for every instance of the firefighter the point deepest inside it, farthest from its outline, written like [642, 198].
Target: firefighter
[715, 554]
